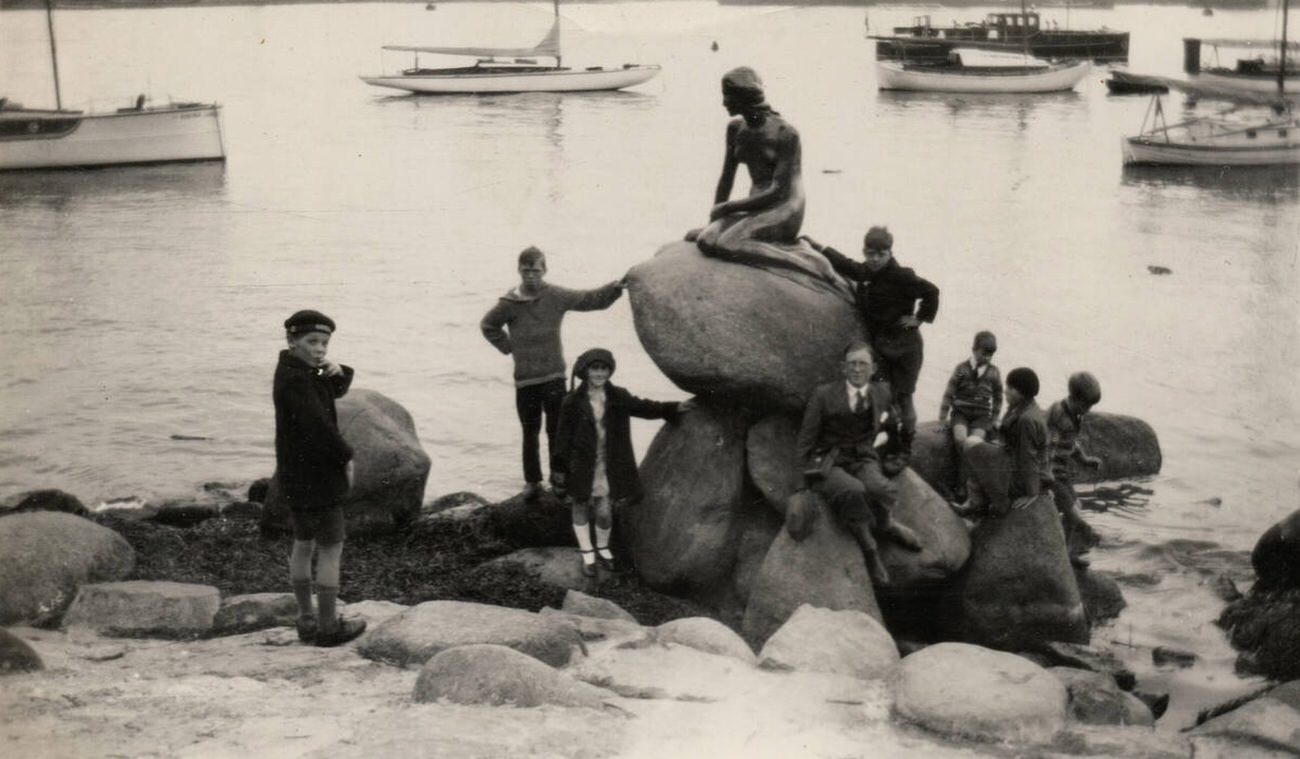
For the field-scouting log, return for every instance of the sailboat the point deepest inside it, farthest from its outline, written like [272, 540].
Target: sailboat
[510, 70]
[1232, 137]
[38, 138]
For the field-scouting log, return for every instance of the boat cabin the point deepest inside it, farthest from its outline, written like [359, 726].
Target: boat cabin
[1011, 26]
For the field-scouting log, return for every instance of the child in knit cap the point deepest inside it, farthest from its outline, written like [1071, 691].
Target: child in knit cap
[313, 466]
[1064, 421]
[974, 400]
[594, 461]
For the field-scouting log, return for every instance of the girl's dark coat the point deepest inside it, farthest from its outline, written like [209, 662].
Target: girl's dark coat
[311, 456]
[575, 441]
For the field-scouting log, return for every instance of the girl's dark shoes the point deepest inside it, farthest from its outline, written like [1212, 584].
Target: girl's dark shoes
[344, 631]
[587, 561]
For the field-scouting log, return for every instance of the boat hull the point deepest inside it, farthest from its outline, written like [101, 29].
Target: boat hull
[65, 140]
[1100, 47]
[522, 81]
[1209, 142]
[892, 75]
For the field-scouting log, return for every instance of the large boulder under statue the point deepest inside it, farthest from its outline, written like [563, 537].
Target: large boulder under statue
[742, 333]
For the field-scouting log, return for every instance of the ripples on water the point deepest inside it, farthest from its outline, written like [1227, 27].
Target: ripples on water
[144, 303]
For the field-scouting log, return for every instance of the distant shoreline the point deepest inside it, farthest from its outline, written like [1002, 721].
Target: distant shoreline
[65, 5]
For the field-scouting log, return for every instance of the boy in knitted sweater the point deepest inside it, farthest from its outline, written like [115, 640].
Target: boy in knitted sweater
[974, 400]
[525, 325]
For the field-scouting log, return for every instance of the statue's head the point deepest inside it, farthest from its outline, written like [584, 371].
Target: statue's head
[742, 91]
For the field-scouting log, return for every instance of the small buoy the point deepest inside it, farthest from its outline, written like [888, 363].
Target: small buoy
[715, 46]
[1159, 270]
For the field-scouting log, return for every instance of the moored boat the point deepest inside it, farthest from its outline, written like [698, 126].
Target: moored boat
[59, 138]
[976, 71]
[1001, 31]
[1241, 64]
[1125, 83]
[507, 70]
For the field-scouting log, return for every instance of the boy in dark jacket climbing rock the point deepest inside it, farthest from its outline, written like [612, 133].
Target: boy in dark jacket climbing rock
[525, 325]
[593, 456]
[888, 296]
[313, 471]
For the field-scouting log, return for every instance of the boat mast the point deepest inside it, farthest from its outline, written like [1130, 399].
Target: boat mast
[558, 60]
[1281, 53]
[54, 55]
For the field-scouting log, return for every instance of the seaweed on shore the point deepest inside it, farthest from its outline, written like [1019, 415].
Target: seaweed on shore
[443, 560]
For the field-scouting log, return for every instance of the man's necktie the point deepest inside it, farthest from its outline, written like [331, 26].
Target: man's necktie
[860, 405]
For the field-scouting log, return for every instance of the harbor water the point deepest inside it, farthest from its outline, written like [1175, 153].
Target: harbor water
[141, 307]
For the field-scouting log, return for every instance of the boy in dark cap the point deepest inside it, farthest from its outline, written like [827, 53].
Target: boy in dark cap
[888, 296]
[1014, 473]
[974, 399]
[593, 455]
[313, 471]
[525, 325]
[1064, 421]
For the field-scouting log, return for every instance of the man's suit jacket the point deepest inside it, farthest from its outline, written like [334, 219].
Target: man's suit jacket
[829, 422]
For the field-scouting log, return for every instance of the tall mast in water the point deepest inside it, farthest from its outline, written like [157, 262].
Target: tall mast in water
[558, 61]
[1281, 53]
[54, 55]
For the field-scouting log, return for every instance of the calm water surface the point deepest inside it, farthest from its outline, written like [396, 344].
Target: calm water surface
[144, 303]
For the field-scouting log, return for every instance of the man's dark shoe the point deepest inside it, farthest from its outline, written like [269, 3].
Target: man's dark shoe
[893, 464]
[902, 535]
[307, 629]
[344, 631]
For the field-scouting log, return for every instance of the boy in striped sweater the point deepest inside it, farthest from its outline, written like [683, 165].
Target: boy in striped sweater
[1064, 421]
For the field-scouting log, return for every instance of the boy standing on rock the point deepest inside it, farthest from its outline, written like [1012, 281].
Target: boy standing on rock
[313, 471]
[837, 453]
[525, 324]
[887, 297]
[1064, 421]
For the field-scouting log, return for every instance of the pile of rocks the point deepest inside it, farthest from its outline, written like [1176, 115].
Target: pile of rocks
[720, 483]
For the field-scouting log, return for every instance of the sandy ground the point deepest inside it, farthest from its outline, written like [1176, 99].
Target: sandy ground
[265, 695]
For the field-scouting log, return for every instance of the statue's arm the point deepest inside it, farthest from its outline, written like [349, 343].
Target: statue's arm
[729, 164]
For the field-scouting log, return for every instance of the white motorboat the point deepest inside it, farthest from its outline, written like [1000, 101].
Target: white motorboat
[35, 138]
[502, 70]
[982, 71]
[1261, 130]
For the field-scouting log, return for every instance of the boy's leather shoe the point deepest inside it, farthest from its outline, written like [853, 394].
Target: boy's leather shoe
[588, 567]
[344, 631]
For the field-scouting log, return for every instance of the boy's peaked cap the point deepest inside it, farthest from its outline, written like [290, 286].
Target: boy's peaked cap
[308, 320]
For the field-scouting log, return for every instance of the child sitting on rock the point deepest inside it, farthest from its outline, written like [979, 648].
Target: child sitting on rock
[974, 400]
[594, 461]
[313, 465]
[1011, 474]
[1064, 421]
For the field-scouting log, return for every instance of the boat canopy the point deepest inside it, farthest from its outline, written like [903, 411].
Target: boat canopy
[1246, 43]
[549, 47]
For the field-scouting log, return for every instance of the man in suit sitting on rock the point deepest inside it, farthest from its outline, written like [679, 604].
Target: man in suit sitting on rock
[837, 452]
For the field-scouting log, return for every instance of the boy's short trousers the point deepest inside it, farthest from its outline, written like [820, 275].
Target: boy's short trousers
[981, 422]
[325, 526]
[898, 355]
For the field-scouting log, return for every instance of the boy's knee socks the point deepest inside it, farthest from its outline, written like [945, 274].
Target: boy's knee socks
[326, 598]
[583, 533]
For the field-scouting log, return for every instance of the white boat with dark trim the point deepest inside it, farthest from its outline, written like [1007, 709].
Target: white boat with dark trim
[503, 70]
[982, 71]
[36, 138]
[1260, 130]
